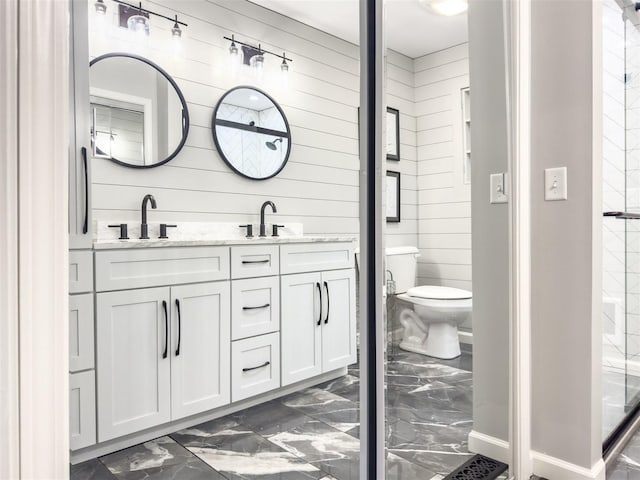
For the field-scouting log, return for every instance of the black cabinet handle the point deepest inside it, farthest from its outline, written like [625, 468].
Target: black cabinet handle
[248, 369]
[255, 308]
[326, 287]
[85, 226]
[255, 261]
[320, 295]
[179, 327]
[166, 329]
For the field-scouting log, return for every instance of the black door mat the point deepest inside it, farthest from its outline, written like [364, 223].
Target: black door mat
[478, 467]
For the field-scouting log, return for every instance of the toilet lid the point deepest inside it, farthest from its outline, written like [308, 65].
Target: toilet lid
[438, 293]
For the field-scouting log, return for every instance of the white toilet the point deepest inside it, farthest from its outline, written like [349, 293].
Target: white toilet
[431, 323]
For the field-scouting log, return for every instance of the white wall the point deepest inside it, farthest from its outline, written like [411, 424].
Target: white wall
[444, 211]
[319, 185]
[401, 95]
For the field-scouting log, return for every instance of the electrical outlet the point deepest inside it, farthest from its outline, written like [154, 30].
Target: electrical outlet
[498, 188]
[555, 183]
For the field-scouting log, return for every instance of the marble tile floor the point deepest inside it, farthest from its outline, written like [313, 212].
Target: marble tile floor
[627, 465]
[313, 434]
[617, 389]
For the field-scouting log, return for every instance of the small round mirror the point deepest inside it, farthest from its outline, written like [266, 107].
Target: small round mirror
[251, 133]
[139, 115]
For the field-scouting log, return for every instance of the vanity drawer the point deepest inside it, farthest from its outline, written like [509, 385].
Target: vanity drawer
[255, 366]
[81, 337]
[82, 409]
[80, 271]
[254, 261]
[315, 257]
[255, 307]
[151, 267]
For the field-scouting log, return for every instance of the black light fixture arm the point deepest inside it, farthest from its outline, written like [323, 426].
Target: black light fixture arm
[150, 12]
[258, 48]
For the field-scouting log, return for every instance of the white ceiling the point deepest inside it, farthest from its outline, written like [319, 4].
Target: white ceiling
[411, 28]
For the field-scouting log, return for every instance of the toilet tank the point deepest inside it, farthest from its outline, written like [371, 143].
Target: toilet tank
[402, 262]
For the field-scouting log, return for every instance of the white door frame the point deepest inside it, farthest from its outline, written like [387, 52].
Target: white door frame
[34, 240]
[517, 21]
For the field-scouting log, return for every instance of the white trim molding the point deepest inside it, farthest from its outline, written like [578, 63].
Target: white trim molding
[554, 468]
[9, 380]
[43, 149]
[489, 446]
[518, 43]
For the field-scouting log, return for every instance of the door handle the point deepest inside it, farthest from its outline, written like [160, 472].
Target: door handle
[85, 225]
[179, 327]
[319, 296]
[166, 329]
[326, 287]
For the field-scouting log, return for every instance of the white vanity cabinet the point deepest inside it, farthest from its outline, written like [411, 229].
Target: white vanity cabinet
[318, 324]
[134, 375]
[200, 348]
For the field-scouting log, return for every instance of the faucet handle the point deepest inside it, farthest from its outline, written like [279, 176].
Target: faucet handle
[163, 230]
[124, 234]
[249, 227]
[274, 229]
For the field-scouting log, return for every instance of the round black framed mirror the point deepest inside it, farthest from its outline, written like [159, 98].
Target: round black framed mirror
[139, 115]
[251, 133]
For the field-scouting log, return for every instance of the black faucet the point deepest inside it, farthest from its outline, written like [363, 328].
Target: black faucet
[263, 229]
[144, 228]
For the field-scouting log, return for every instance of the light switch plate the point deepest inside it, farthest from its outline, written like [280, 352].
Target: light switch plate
[555, 183]
[497, 184]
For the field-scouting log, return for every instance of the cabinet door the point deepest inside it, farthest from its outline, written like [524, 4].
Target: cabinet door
[300, 330]
[82, 409]
[201, 367]
[339, 319]
[133, 375]
[81, 338]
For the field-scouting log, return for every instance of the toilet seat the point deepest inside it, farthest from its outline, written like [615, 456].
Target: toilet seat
[434, 292]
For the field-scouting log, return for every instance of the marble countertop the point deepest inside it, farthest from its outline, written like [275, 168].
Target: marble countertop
[154, 243]
[193, 234]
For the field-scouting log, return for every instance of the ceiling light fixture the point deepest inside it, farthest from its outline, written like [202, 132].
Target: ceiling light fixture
[448, 8]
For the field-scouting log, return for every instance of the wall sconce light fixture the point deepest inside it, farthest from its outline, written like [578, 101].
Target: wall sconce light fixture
[254, 56]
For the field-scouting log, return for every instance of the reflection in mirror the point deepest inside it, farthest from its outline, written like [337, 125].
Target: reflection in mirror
[140, 117]
[251, 133]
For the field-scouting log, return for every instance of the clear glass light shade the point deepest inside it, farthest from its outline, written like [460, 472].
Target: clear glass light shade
[138, 24]
[100, 7]
[448, 8]
[258, 64]
[176, 32]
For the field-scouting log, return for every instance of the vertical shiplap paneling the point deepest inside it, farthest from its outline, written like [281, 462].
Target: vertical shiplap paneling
[319, 185]
[400, 95]
[444, 201]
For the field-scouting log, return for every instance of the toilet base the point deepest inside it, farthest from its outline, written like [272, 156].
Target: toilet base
[441, 341]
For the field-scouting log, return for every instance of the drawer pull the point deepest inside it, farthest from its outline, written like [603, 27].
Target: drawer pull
[244, 262]
[248, 369]
[259, 306]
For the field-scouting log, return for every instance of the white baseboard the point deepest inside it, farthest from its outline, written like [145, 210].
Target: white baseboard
[554, 468]
[489, 446]
[465, 337]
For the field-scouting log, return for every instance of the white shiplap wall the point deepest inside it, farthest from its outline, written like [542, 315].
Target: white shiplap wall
[318, 187]
[400, 95]
[444, 200]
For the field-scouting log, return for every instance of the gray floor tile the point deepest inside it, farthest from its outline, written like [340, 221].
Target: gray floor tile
[239, 453]
[159, 459]
[334, 410]
[90, 470]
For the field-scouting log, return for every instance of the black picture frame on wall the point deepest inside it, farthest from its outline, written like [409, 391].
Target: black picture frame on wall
[393, 197]
[393, 134]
